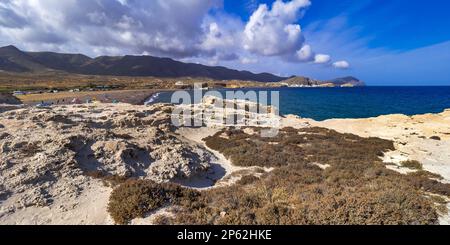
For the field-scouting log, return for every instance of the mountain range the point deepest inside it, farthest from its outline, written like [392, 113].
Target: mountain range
[14, 60]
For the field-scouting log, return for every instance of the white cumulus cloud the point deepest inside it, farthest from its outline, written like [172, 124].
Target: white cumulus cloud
[341, 64]
[165, 28]
[273, 32]
[322, 59]
[305, 53]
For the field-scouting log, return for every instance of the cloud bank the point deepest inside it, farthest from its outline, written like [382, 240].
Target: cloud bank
[182, 29]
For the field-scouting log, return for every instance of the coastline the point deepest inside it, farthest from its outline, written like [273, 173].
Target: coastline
[352, 103]
[134, 97]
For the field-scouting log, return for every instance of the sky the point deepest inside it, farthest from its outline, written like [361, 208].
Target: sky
[383, 42]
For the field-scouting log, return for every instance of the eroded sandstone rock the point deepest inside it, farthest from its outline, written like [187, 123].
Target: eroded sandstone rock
[48, 153]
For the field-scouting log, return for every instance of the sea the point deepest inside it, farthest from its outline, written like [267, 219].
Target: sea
[360, 102]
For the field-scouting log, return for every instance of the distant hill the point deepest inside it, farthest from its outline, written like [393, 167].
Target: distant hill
[348, 81]
[15, 60]
[56, 61]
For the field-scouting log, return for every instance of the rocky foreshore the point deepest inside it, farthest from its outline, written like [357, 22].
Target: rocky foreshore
[58, 165]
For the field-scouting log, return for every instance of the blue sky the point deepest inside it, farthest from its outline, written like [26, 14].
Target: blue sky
[406, 42]
[383, 42]
[396, 24]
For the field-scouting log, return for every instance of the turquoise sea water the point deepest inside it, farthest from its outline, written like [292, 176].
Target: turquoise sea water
[328, 103]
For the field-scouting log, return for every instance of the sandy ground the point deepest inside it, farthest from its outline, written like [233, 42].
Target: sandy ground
[90, 208]
[224, 173]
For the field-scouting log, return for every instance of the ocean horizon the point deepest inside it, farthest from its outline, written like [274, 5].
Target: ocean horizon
[358, 102]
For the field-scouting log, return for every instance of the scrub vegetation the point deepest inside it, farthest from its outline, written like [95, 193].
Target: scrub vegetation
[412, 164]
[356, 188]
[136, 198]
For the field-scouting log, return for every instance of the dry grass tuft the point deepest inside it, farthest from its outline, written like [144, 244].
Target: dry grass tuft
[297, 147]
[136, 198]
[247, 180]
[357, 188]
[412, 164]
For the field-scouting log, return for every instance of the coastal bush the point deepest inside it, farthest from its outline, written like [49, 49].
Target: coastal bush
[412, 164]
[440, 203]
[426, 174]
[161, 220]
[294, 146]
[277, 201]
[424, 183]
[135, 198]
[356, 188]
[247, 180]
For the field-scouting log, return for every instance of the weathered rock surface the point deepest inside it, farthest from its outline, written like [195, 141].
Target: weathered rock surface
[48, 153]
